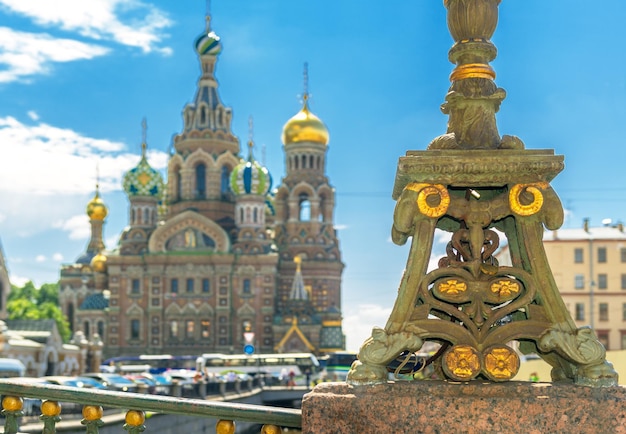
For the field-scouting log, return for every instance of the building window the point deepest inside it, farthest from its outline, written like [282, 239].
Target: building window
[174, 286]
[205, 331]
[623, 281]
[134, 328]
[603, 337]
[246, 286]
[189, 329]
[623, 340]
[622, 254]
[579, 281]
[602, 254]
[206, 286]
[189, 285]
[578, 256]
[604, 311]
[135, 286]
[602, 281]
[173, 329]
[580, 312]
[223, 302]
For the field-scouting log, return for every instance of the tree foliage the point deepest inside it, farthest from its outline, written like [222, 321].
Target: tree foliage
[29, 302]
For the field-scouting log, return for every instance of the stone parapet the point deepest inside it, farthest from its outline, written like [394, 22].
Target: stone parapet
[476, 407]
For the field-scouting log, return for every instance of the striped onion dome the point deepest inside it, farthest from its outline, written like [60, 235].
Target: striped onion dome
[208, 42]
[249, 177]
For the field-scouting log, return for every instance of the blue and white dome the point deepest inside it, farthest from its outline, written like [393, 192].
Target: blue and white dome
[249, 177]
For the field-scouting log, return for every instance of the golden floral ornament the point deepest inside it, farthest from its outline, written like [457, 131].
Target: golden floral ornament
[501, 363]
[525, 208]
[505, 288]
[462, 363]
[452, 287]
[432, 199]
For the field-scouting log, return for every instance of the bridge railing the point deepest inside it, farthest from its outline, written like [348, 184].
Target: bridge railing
[136, 405]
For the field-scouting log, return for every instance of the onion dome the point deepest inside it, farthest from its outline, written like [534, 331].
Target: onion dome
[249, 177]
[96, 209]
[208, 42]
[99, 263]
[305, 127]
[143, 180]
[270, 199]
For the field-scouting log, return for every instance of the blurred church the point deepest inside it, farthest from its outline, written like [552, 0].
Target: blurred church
[215, 253]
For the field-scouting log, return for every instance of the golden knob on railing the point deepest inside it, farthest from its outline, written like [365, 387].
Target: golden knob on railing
[271, 429]
[225, 427]
[50, 408]
[135, 417]
[92, 412]
[12, 403]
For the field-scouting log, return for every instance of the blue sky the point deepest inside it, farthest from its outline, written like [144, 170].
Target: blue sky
[77, 77]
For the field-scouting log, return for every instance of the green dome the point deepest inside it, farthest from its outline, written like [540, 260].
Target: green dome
[143, 180]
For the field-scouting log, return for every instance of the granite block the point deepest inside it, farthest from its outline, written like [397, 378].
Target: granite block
[474, 407]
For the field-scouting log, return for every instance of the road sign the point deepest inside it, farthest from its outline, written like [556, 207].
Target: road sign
[248, 349]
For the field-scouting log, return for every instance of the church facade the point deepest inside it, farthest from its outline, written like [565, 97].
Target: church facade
[214, 258]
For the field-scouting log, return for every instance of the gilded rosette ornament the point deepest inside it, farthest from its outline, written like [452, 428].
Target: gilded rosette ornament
[477, 187]
[501, 363]
[462, 363]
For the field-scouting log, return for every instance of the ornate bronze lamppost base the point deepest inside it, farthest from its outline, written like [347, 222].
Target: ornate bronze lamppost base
[476, 185]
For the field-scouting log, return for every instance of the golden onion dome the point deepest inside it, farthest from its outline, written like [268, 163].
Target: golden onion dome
[96, 209]
[99, 263]
[305, 127]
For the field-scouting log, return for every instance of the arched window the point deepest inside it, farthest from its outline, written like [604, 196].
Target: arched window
[304, 161]
[310, 161]
[224, 184]
[203, 116]
[86, 329]
[179, 185]
[70, 315]
[146, 215]
[255, 215]
[200, 181]
[101, 329]
[305, 208]
[296, 161]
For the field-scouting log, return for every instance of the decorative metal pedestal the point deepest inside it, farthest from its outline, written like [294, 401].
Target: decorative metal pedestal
[472, 183]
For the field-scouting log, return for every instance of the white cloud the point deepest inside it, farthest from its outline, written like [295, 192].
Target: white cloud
[359, 320]
[33, 115]
[58, 257]
[127, 22]
[77, 227]
[61, 169]
[62, 161]
[18, 280]
[25, 54]
[40, 258]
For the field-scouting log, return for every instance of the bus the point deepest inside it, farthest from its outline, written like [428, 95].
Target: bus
[273, 364]
[338, 364]
[153, 363]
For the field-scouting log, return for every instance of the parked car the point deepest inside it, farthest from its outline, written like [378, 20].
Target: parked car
[149, 383]
[163, 382]
[113, 381]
